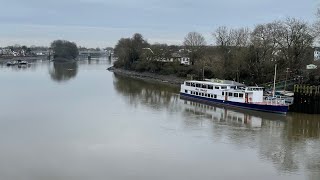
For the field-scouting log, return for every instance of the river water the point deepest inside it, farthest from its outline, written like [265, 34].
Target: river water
[79, 121]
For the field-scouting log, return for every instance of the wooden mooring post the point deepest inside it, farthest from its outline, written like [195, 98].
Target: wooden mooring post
[306, 99]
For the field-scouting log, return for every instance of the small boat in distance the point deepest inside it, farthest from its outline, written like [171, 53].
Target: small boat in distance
[18, 62]
[12, 63]
[233, 94]
[21, 62]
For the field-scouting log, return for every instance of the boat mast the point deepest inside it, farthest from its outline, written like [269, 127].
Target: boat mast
[274, 80]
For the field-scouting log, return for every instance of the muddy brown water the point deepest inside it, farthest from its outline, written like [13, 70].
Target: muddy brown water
[79, 121]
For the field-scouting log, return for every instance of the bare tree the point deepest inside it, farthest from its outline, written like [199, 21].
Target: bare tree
[194, 39]
[293, 38]
[316, 25]
[286, 42]
[195, 43]
[232, 37]
[241, 37]
[233, 46]
[263, 50]
[222, 36]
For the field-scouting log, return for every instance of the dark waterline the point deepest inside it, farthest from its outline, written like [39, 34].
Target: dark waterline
[79, 121]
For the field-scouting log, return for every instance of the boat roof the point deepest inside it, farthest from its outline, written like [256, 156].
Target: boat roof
[254, 87]
[210, 83]
[225, 82]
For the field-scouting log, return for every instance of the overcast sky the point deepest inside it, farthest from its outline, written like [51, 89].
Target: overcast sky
[94, 23]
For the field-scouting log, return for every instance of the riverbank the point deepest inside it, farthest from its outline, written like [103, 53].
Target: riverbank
[24, 58]
[166, 79]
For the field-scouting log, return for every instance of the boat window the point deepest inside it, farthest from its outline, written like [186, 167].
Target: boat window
[210, 87]
[197, 93]
[217, 87]
[230, 94]
[223, 87]
[240, 95]
[222, 93]
[193, 84]
[186, 91]
[204, 86]
[188, 84]
[236, 95]
[202, 94]
[197, 85]
[215, 96]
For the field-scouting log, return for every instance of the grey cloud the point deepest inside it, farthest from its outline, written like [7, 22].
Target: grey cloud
[173, 17]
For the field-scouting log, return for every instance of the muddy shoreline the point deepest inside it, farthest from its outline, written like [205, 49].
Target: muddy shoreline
[166, 79]
[28, 58]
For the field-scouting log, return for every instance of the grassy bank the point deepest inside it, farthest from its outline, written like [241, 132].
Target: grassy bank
[167, 79]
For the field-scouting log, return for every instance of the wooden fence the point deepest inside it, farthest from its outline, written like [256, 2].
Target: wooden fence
[306, 99]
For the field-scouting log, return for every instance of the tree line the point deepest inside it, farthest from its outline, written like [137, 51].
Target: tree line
[241, 54]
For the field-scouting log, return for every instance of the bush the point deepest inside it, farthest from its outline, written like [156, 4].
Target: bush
[139, 66]
[63, 49]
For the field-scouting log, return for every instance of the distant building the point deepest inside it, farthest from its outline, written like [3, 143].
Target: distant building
[311, 66]
[6, 52]
[184, 60]
[40, 52]
[316, 53]
[173, 57]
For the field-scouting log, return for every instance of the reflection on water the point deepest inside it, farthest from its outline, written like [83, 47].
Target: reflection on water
[291, 143]
[284, 140]
[149, 94]
[63, 71]
[122, 128]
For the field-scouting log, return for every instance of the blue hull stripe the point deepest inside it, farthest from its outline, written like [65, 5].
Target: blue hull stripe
[258, 107]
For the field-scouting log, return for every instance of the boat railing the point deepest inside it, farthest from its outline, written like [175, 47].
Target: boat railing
[274, 100]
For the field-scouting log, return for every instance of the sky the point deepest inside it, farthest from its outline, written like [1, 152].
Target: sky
[101, 23]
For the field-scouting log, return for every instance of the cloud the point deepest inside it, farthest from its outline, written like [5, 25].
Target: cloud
[168, 19]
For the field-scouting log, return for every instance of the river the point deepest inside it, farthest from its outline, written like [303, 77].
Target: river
[79, 121]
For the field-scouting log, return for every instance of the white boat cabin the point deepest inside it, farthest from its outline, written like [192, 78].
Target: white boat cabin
[223, 91]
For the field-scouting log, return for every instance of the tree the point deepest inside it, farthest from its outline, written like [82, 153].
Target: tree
[129, 50]
[194, 39]
[316, 25]
[195, 43]
[222, 36]
[262, 51]
[65, 50]
[293, 38]
[233, 45]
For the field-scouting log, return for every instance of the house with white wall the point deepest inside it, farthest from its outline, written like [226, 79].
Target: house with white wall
[316, 53]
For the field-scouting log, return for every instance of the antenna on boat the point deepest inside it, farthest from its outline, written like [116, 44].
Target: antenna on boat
[274, 80]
